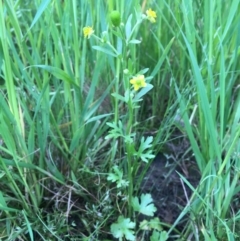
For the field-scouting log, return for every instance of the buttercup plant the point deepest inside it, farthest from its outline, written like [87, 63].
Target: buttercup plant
[123, 128]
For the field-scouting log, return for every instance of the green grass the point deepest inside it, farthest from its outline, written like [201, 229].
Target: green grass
[74, 134]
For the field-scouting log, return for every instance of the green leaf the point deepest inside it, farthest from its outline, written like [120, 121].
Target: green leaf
[163, 55]
[19, 163]
[143, 71]
[145, 206]
[3, 205]
[142, 152]
[105, 50]
[154, 223]
[119, 97]
[41, 9]
[146, 144]
[28, 224]
[144, 225]
[142, 92]
[128, 27]
[124, 98]
[135, 41]
[117, 177]
[123, 228]
[98, 117]
[159, 236]
[57, 72]
[116, 130]
[54, 171]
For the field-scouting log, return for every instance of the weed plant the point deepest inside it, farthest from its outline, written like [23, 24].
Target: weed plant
[91, 91]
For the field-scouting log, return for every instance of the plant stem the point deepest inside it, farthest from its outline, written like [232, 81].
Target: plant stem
[117, 88]
[130, 156]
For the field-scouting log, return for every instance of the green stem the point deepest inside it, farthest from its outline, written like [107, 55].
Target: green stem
[117, 88]
[129, 157]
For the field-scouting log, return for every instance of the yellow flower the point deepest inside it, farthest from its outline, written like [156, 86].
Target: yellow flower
[151, 15]
[138, 82]
[87, 32]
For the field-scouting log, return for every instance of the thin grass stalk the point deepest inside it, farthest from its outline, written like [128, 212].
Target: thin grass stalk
[209, 7]
[188, 16]
[222, 103]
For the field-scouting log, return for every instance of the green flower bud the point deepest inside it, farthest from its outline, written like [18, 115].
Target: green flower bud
[126, 71]
[115, 18]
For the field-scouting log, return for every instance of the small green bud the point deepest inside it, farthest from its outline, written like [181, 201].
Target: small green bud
[115, 18]
[126, 71]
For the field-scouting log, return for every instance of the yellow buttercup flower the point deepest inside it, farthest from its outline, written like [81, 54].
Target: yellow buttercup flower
[151, 15]
[138, 82]
[87, 32]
